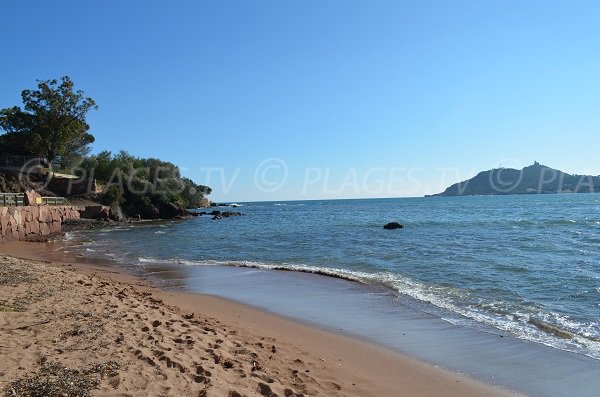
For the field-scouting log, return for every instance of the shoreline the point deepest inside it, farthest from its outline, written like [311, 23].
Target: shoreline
[384, 319]
[340, 365]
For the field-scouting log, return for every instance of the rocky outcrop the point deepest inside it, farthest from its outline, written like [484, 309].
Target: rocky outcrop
[230, 213]
[31, 197]
[170, 211]
[12, 182]
[225, 214]
[234, 205]
[204, 203]
[116, 213]
[69, 186]
[95, 212]
[17, 223]
[393, 225]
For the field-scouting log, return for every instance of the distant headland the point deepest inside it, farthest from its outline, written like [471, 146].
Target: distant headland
[534, 179]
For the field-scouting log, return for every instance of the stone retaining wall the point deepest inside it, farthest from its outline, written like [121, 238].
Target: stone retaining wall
[19, 222]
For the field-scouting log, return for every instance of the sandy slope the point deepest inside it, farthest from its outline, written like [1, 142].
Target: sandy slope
[156, 343]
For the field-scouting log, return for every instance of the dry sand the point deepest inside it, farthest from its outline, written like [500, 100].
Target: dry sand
[119, 336]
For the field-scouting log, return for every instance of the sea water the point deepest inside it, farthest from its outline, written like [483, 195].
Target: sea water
[525, 265]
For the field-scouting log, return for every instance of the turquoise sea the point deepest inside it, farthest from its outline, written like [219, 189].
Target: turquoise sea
[527, 266]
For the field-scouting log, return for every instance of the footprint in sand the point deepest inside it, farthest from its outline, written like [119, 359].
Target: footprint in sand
[290, 393]
[138, 353]
[201, 379]
[201, 371]
[333, 385]
[265, 390]
[227, 364]
[171, 364]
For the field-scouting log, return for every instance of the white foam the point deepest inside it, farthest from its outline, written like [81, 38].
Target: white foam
[442, 297]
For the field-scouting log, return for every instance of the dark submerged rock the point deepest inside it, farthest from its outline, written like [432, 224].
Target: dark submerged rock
[225, 214]
[393, 225]
[230, 213]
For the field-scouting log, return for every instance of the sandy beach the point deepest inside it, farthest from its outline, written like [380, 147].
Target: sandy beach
[110, 333]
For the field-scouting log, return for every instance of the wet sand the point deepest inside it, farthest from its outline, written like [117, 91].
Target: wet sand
[160, 343]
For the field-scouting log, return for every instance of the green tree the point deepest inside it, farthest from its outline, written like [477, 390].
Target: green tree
[52, 123]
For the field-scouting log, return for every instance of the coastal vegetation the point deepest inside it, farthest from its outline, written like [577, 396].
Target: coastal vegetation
[150, 188]
[52, 125]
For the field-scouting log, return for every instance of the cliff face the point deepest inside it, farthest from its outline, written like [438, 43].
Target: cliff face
[536, 178]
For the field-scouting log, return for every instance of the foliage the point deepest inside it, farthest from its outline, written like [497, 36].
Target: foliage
[144, 187]
[52, 123]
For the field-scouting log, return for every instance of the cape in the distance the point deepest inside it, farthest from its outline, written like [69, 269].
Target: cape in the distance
[534, 179]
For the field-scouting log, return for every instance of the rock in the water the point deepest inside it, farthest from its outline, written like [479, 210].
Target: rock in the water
[230, 213]
[393, 225]
[224, 214]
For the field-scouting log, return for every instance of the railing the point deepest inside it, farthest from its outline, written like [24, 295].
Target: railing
[54, 200]
[17, 199]
[11, 199]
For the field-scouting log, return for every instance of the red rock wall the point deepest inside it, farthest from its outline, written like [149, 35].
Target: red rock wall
[19, 222]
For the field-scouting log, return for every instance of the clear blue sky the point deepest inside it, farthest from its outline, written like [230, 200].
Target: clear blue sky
[356, 98]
